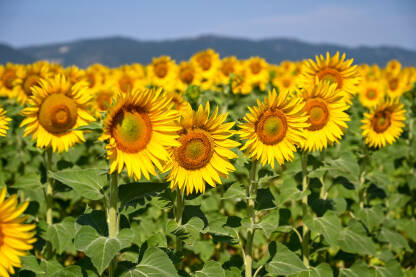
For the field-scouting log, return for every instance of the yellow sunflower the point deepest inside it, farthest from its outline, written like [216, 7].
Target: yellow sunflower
[396, 85]
[15, 236]
[274, 127]
[187, 74]
[204, 151]
[139, 127]
[333, 69]
[240, 83]
[27, 77]
[393, 67]
[228, 66]
[179, 103]
[57, 108]
[284, 82]
[384, 124]
[371, 93]
[325, 106]
[257, 72]
[128, 78]
[162, 72]
[102, 96]
[207, 62]
[8, 74]
[3, 122]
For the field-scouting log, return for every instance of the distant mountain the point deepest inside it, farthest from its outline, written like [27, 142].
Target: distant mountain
[8, 54]
[116, 51]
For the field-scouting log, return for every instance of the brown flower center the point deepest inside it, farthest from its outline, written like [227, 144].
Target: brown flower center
[58, 113]
[393, 84]
[30, 81]
[318, 113]
[227, 68]
[272, 127]
[196, 149]
[103, 100]
[126, 83]
[8, 78]
[381, 121]
[371, 93]
[132, 130]
[255, 67]
[161, 69]
[204, 61]
[331, 75]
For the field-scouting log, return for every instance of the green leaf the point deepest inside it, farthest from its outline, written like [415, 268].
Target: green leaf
[285, 262]
[358, 269]
[126, 238]
[30, 263]
[136, 192]
[155, 263]
[211, 269]
[322, 270]
[409, 227]
[101, 250]
[371, 216]
[85, 182]
[392, 269]
[50, 267]
[93, 126]
[236, 192]
[353, 239]
[61, 234]
[328, 225]
[70, 271]
[397, 241]
[269, 223]
[188, 232]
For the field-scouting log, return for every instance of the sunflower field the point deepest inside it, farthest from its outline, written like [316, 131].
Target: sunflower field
[213, 167]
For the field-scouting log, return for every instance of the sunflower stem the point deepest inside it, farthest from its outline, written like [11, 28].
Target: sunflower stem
[112, 216]
[251, 193]
[178, 217]
[49, 188]
[305, 231]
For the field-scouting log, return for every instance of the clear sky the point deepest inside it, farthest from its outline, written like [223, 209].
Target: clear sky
[347, 22]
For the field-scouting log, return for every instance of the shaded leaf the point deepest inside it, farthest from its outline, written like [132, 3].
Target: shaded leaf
[211, 269]
[285, 262]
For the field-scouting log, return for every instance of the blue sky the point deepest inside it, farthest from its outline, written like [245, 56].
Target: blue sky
[351, 23]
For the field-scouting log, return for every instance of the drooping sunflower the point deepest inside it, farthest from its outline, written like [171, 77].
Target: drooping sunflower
[27, 77]
[56, 108]
[371, 93]
[384, 124]
[162, 72]
[325, 106]
[204, 151]
[16, 237]
[274, 127]
[139, 127]
[3, 122]
[334, 69]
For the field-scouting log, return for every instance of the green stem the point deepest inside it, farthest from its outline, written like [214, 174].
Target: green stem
[112, 216]
[251, 193]
[178, 217]
[49, 187]
[305, 231]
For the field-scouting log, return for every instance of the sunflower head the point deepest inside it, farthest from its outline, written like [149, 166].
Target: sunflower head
[16, 237]
[207, 62]
[371, 93]
[227, 67]
[274, 127]
[204, 151]
[162, 72]
[3, 122]
[325, 107]
[139, 127]
[8, 74]
[55, 110]
[257, 72]
[384, 124]
[333, 69]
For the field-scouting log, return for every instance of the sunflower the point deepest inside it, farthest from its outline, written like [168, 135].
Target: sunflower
[274, 127]
[227, 67]
[384, 124]
[240, 83]
[257, 72]
[15, 236]
[8, 74]
[204, 150]
[187, 74]
[284, 82]
[57, 108]
[396, 85]
[139, 127]
[128, 78]
[27, 77]
[334, 69]
[161, 72]
[102, 96]
[371, 93]
[3, 122]
[179, 103]
[393, 67]
[207, 62]
[325, 106]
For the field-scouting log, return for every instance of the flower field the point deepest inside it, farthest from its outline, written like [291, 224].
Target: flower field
[213, 166]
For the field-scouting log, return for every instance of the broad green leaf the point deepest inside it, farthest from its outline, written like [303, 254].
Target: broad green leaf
[285, 262]
[354, 239]
[101, 250]
[155, 263]
[85, 182]
[50, 267]
[397, 241]
[70, 271]
[30, 263]
[371, 216]
[392, 269]
[126, 237]
[322, 270]
[211, 269]
[328, 225]
[61, 234]
[269, 223]
[409, 227]
[236, 192]
[358, 269]
[136, 192]
[188, 232]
